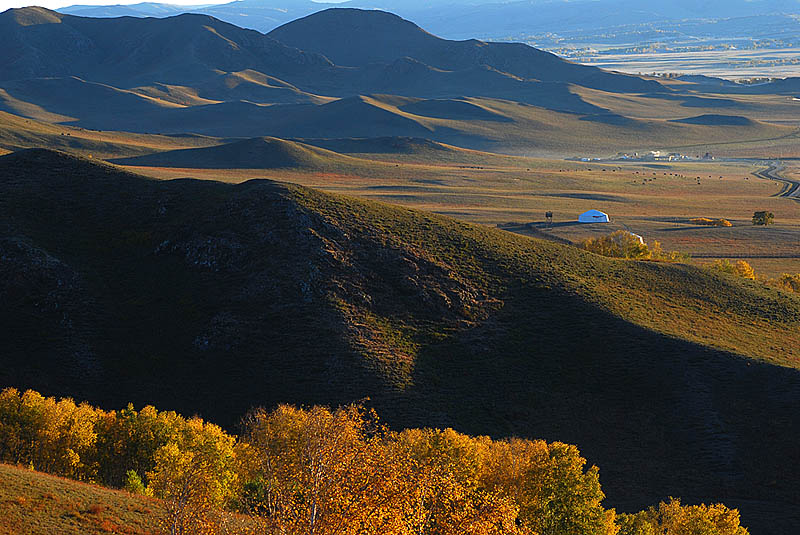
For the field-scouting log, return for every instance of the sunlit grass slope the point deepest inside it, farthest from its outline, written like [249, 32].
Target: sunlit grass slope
[34, 503]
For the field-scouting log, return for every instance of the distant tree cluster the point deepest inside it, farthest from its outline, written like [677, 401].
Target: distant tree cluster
[319, 471]
[624, 244]
[763, 218]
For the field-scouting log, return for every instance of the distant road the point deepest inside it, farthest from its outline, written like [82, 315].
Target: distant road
[791, 188]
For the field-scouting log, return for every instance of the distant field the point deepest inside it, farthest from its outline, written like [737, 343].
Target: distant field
[731, 64]
[655, 200]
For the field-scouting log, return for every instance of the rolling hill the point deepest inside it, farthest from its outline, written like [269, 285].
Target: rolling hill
[210, 297]
[256, 153]
[189, 49]
[195, 74]
[614, 21]
[107, 72]
[20, 133]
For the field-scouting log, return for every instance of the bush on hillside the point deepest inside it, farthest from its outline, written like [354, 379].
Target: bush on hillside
[619, 244]
[623, 244]
[788, 282]
[740, 268]
[133, 483]
[658, 253]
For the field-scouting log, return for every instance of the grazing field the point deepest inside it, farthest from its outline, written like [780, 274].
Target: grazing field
[655, 200]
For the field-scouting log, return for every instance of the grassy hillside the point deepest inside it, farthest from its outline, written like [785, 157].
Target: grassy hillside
[256, 153]
[23, 133]
[39, 504]
[120, 288]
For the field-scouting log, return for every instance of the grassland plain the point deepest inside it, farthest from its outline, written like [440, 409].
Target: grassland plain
[212, 297]
[655, 200]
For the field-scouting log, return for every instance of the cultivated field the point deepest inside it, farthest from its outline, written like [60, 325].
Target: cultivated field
[733, 64]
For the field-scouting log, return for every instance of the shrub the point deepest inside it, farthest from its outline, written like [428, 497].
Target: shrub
[619, 244]
[658, 253]
[787, 282]
[624, 244]
[710, 222]
[740, 268]
[133, 483]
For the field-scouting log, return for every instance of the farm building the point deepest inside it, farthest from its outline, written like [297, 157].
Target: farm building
[593, 216]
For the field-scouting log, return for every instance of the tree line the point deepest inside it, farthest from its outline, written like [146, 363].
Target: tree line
[321, 471]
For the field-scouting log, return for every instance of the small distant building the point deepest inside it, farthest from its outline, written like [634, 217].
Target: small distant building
[593, 216]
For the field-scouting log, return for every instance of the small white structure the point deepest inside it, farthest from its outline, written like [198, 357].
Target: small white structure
[593, 216]
[638, 238]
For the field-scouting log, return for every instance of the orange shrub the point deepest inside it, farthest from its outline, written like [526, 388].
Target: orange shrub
[710, 222]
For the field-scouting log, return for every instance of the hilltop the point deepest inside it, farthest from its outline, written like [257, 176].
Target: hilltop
[358, 38]
[258, 293]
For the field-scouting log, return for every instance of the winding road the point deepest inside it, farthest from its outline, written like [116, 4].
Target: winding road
[791, 188]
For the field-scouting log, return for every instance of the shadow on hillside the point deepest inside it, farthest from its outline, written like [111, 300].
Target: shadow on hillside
[661, 417]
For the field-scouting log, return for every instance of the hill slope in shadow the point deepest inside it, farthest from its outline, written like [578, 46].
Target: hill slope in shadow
[203, 296]
[192, 59]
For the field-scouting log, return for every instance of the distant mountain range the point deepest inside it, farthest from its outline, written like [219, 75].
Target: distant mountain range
[575, 21]
[308, 78]
[337, 52]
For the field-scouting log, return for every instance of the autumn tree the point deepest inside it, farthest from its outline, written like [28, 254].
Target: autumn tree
[448, 492]
[52, 436]
[128, 440]
[619, 244]
[740, 268]
[763, 218]
[672, 518]
[319, 471]
[195, 476]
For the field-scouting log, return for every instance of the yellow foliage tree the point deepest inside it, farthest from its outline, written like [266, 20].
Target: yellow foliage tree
[318, 471]
[619, 244]
[675, 519]
[52, 436]
[740, 268]
[196, 477]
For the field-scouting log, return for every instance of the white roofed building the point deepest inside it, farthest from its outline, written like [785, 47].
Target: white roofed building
[593, 216]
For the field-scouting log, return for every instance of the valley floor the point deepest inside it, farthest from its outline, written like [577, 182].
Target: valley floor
[655, 200]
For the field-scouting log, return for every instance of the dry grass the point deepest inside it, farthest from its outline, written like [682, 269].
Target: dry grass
[33, 503]
[653, 200]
